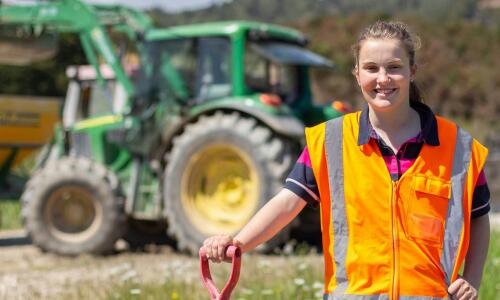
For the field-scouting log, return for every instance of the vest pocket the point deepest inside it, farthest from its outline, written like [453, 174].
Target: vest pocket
[427, 210]
[425, 228]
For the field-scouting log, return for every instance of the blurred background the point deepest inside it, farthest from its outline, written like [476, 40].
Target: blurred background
[459, 65]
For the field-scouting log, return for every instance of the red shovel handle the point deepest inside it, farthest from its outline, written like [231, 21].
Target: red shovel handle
[232, 252]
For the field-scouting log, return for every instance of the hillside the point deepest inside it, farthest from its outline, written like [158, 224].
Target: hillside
[458, 62]
[278, 11]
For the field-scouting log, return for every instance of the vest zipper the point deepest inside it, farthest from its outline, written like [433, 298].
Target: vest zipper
[395, 245]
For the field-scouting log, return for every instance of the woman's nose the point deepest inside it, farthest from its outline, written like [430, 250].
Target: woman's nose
[382, 77]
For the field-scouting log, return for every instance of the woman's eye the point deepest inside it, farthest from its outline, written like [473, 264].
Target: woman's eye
[371, 68]
[394, 67]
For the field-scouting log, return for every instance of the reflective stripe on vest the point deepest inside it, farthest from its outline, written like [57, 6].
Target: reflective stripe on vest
[333, 152]
[454, 221]
[455, 216]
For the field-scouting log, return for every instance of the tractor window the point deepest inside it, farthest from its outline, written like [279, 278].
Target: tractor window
[94, 100]
[266, 76]
[101, 99]
[213, 71]
[173, 68]
[195, 69]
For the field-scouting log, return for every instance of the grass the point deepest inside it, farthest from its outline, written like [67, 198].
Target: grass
[10, 214]
[296, 278]
[490, 285]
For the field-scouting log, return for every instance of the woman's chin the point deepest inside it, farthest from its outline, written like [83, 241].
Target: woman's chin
[381, 104]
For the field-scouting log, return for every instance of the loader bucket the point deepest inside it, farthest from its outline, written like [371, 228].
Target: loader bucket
[19, 46]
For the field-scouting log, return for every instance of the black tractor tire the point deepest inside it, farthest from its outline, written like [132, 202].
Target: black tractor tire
[73, 206]
[220, 171]
[141, 233]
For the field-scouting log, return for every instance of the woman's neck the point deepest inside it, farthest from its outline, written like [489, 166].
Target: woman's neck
[397, 126]
[394, 120]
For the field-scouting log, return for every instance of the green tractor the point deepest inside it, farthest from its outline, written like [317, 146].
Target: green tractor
[193, 138]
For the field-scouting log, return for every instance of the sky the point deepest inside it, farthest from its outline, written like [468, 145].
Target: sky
[168, 5]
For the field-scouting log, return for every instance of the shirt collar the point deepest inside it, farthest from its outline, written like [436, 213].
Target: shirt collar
[428, 125]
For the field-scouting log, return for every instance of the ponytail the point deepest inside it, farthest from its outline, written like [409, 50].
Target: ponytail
[415, 95]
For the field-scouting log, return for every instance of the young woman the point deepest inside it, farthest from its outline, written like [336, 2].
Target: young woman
[402, 194]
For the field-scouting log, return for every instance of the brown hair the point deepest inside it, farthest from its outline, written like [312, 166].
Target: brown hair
[392, 30]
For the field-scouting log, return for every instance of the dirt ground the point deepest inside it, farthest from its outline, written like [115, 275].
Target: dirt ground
[28, 273]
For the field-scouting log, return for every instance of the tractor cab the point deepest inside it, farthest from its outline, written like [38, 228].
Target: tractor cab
[200, 63]
[279, 68]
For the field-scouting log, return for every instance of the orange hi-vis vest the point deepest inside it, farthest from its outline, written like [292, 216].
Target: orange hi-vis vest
[385, 239]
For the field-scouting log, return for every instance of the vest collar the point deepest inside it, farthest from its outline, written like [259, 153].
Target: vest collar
[428, 125]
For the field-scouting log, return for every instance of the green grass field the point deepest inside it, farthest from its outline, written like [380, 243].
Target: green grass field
[10, 214]
[490, 286]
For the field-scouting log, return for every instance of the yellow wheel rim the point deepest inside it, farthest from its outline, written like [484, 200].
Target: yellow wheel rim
[220, 189]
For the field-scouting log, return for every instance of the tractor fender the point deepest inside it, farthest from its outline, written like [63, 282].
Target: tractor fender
[286, 125]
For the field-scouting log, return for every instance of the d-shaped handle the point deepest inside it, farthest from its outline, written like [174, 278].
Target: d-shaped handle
[232, 252]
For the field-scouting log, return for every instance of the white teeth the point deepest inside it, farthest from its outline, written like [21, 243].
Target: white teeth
[384, 91]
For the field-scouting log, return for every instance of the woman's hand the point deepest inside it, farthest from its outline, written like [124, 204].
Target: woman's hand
[215, 247]
[461, 289]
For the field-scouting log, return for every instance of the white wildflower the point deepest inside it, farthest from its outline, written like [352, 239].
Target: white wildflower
[120, 268]
[135, 291]
[317, 285]
[496, 261]
[128, 276]
[299, 281]
[318, 295]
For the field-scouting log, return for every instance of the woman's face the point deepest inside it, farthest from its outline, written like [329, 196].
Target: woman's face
[383, 72]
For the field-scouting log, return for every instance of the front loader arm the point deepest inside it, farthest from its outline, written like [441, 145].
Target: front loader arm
[76, 17]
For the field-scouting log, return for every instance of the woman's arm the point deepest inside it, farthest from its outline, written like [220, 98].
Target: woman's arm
[467, 287]
[478, 250]
[267, 222]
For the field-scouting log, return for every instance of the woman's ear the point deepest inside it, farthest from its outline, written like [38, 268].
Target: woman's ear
[413, 72]
[355, 72]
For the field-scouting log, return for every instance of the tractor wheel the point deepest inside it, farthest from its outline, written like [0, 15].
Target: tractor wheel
[220, 171]
[73, 206]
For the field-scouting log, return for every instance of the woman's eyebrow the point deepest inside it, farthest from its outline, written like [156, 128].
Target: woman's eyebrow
[392, 60]
[397, 60]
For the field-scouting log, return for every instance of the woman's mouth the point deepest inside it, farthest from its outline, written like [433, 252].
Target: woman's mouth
[384, 92]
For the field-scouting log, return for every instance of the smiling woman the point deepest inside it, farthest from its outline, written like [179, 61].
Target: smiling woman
[401, 191]
[384, 73]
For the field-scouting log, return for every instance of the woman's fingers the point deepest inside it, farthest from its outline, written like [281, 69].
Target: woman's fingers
[460, 289]
[215, 247]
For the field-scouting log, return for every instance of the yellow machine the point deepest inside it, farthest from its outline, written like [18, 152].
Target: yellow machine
[26, 124]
